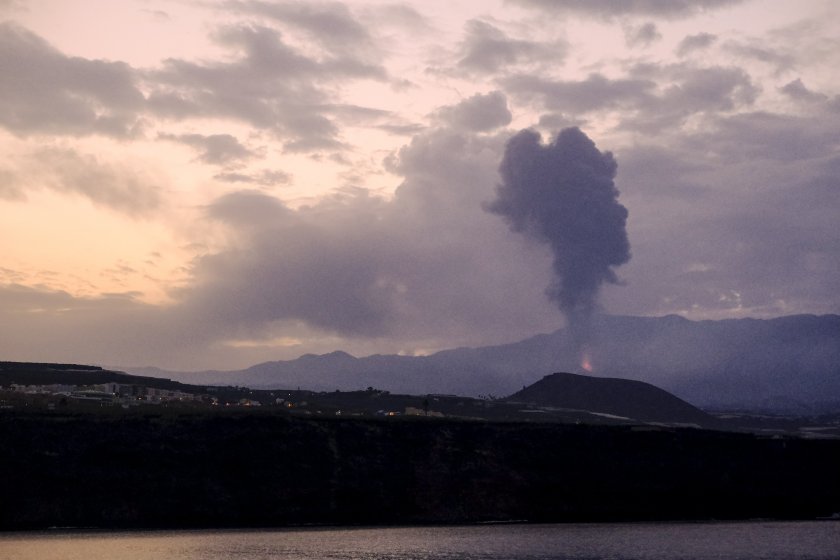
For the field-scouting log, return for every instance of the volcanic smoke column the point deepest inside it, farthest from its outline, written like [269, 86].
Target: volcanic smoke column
[563, 194]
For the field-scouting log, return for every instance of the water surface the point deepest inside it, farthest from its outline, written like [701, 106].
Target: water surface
[642, 541]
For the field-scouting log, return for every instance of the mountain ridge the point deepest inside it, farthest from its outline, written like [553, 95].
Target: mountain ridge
[784, 364]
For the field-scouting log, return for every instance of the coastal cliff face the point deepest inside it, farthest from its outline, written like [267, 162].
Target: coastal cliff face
[194, 470]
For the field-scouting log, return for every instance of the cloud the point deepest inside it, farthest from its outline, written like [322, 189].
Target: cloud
[12, 5]
[157, 15]
[650, 98]
[607, 9]
[755, 193]
[55, 94]
[764, 251]
[296, 266]
[115, 186]
[414, 269]
[595, 93]
[426, 269]
[269, 85]
[797, 91]
[562, 195]
[357, 115]
[265, 177]
[557, 121]
[755, 50]
[694, 90]
[696, 42]
[401, 128]
[44, 325]
[769, 136]
[330, 24]
[215, 149]
[642, 35]
[10, 189]
[479, 113]
[487, 49]
[402, 16]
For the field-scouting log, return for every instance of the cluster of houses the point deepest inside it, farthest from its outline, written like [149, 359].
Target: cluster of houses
[118, 393]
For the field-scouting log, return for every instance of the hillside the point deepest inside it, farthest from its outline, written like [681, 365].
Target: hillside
[77, 388]
[619, 397]
[788, 364]
[32, 373]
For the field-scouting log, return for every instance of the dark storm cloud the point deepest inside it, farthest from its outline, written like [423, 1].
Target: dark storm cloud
[642, 35]
[487, 49]
[696, 42]
[44, 91]
[671, 9]
[215, 149]
[270, 85]
[479, 113]
[563, 195]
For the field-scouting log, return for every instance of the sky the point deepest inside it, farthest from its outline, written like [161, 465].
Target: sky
[210, 184]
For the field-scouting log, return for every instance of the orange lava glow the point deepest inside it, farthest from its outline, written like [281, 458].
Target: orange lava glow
[585, 362]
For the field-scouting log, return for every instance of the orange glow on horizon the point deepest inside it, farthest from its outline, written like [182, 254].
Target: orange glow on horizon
[586, 362]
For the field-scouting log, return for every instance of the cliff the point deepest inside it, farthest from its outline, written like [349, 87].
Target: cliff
[247, 469]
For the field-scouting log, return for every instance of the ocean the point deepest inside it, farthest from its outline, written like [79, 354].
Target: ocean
[752, 540]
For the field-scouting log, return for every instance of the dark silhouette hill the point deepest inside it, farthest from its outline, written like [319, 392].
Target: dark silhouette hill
[619, 397]
[32, 373]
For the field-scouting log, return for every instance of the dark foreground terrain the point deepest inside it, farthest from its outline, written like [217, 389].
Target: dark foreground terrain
[165, 468]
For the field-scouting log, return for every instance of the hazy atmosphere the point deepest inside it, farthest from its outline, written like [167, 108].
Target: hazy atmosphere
[211, 184]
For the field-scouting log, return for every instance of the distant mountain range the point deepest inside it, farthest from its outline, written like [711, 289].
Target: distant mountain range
[787, 364]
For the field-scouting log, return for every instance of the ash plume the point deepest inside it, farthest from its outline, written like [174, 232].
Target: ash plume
[562, 194]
